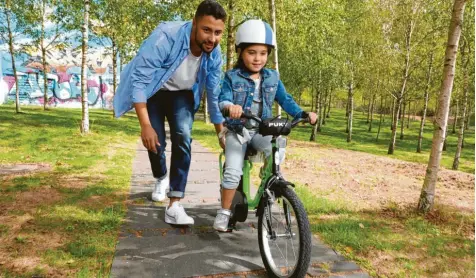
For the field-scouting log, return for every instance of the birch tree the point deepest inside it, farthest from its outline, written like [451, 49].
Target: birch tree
[11, 26]
[427, 196]
[84, 68]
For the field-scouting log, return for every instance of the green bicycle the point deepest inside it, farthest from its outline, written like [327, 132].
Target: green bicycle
[284, 234]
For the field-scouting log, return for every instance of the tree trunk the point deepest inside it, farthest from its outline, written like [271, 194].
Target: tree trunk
[84, 89]
[391, 147]
[427, 196]
[381, 116]
[455, 121]
[323, 116]
[322, 100]
[12, 54]
[43, 56]
[408, 115]
[393, 113]
[374, 97]
[314, 129]
[402, 123]
[328, 115]
[230, 47]
[114, 73]
[347, 109]
[369, 107]
[114, 66]
[468, 117]
[121, 56]
[465, 60]
[321, 96]
[318, 108]
[101, 82]
[205, 108]
[408, 39]
[425, 106]
[445, 141]
[351, 108]
[312, 101]
[272, 10]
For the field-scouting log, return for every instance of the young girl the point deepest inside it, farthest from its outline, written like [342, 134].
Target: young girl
[249, 87]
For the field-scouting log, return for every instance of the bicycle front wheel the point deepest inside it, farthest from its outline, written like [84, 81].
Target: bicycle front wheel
[284, 236]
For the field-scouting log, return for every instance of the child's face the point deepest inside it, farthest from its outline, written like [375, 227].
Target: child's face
[255, 57]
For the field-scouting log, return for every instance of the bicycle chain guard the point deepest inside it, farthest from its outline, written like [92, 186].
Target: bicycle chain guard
[239, 206]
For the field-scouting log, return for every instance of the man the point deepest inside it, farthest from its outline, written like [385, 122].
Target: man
[166, 79]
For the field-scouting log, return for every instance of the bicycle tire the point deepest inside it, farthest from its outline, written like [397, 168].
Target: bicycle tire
[304, 254]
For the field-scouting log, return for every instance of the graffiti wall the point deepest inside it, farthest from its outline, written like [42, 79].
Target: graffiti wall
[64, 90]
[64, 83]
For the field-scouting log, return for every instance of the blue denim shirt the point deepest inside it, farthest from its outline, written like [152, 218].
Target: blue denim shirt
[238, 88]
[156, 61]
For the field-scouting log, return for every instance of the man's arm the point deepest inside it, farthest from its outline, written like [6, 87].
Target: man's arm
[148, 60]
[213, 92]
[148, 135]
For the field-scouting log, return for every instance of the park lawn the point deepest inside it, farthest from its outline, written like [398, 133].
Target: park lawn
[333, 135]
[63, 221]
[394, 241]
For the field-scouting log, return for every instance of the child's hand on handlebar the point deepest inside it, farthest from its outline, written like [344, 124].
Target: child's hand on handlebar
[312, 118]
[235, 111]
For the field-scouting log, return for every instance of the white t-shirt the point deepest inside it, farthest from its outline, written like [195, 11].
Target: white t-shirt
[185, 75]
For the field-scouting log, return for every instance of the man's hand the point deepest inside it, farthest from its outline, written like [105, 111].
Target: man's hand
[235, 111]
[222, 142]
[312, 118]
[221, 136]
[147, 134]
[149, 138]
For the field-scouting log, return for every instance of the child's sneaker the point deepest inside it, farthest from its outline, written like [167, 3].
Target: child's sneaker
[221, 220]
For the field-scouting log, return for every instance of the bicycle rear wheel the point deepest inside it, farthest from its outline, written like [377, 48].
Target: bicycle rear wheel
[285, 247]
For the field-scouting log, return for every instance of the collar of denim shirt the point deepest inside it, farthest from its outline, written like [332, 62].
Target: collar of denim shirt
[264, 73]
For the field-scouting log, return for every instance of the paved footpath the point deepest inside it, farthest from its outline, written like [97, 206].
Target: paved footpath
[148, 247]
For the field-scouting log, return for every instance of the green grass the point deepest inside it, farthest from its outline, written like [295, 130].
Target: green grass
[85, 189]
[205, 134]
[333, 135]
[413, 245]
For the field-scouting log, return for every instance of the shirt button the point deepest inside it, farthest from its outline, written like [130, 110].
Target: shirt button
[251, 93]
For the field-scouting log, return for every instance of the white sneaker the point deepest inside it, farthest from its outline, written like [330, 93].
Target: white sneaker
[221, 220]
[158, 195]
[176, 215]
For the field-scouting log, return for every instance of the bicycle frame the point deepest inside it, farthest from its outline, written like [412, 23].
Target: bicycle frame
[247, 166]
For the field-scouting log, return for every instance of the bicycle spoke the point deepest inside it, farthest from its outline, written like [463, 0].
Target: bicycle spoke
[283, 258]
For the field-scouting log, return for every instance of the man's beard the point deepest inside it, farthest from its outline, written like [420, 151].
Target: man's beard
[200, 44]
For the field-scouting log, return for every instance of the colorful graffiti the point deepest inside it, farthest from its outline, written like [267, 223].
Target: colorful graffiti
[64, 89]
[63, 79]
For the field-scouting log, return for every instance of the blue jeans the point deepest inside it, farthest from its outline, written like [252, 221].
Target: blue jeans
[177, 107]
[235, 153]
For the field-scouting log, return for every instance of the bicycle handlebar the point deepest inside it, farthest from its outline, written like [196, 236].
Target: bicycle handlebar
[294, 122]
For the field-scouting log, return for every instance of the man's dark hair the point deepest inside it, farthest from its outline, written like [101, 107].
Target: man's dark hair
[211, 7]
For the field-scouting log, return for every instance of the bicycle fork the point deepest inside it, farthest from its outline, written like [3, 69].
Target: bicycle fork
[271, 200]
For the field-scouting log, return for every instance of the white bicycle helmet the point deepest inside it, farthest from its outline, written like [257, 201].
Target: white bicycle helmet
[255, 31]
